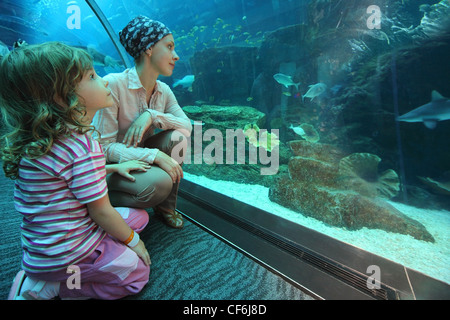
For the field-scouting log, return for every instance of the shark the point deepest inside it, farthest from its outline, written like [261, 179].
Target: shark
[438, 109]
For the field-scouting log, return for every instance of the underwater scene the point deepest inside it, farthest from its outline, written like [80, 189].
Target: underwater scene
[330, 113]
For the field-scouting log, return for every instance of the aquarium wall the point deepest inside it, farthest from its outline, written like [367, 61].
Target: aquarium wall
[332, 114]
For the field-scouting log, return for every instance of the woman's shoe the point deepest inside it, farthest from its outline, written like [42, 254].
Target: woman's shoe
[172, 218]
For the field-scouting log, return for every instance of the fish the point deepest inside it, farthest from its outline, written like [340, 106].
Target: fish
[380, 35]
[186, 82]
[336, 88]
[424, 8]
[438, 109]
[357, 45]
[101, 59]
[285, 80]
[297, 130]
[315, 90]
[15, 23]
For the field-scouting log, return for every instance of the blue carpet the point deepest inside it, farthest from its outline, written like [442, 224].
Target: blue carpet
[187, 264]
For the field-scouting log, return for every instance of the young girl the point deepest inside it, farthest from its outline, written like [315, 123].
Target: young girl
[48, 97]
[142, 104]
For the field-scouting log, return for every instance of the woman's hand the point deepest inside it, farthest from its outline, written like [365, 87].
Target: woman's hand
[169, 165]
[137, 129]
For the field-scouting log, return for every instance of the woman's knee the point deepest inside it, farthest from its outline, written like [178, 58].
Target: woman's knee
[156, 192]
[178, 146]
[171, 142]
[148, 190]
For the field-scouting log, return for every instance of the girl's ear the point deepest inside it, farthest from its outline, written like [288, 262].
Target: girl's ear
[59, 100]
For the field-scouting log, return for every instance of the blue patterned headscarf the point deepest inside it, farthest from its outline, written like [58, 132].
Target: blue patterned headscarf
[140, 34]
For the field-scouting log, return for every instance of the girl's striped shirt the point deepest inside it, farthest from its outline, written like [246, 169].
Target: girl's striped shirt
[51, 193]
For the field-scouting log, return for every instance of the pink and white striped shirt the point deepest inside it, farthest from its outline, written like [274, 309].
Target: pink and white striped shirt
[51, 193]
[129, 103]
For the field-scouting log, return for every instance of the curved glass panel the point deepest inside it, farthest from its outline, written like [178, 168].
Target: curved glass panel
[72, 22]
[332, 114]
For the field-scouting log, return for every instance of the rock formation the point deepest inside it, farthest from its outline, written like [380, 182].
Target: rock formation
[315, 187]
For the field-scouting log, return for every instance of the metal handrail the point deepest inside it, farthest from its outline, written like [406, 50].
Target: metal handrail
[114, 38]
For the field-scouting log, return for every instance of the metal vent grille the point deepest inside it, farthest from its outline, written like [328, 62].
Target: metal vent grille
[339, 271]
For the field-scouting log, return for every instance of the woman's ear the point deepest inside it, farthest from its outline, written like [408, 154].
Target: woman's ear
[148, 52]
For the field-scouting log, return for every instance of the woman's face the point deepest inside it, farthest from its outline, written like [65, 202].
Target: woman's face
[163, 56]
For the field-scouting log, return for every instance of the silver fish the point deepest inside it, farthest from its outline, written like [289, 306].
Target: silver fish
[297, 130]
[315, 90]
[285, 80]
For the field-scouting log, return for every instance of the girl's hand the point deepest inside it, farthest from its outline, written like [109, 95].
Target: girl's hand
[124, 168]
[104, 215]
[142, 252]
[169, 165]
[137, 129]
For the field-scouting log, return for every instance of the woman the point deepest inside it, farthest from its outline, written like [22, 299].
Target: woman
[142, 104]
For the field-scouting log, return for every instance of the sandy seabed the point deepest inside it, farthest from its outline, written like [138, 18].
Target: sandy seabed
[432, 259]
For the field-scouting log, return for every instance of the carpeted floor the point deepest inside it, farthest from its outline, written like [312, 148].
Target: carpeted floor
[187, 264]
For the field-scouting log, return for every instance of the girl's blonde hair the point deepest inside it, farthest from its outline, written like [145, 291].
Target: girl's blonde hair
[32, 79]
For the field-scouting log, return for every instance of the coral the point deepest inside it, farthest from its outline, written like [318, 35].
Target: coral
[319, 151]
[310, 133]
[251, 133]
[251, 126]
[359, 172]
[310, 170]
[223, 118]
[436, 20]
[266, 140]
[314, 186]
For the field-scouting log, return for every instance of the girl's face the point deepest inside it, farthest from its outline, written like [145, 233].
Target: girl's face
[163, 56]
[93, 93]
